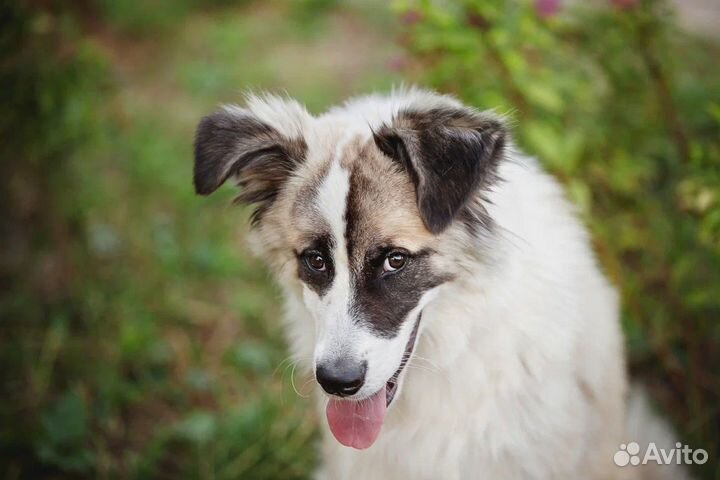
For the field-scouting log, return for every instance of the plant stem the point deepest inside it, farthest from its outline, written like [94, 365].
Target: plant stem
[663, 92]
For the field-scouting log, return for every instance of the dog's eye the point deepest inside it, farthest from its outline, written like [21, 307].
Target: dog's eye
[394, 261]
[315, 261]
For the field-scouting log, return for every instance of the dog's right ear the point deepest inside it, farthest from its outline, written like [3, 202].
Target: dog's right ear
[449, 151]
[235, 142]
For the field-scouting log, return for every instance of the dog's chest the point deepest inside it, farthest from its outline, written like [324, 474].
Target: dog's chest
[436, 431]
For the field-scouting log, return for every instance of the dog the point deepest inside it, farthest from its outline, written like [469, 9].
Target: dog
[438, 285]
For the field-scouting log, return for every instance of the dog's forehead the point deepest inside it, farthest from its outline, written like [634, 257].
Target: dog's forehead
[363, 198]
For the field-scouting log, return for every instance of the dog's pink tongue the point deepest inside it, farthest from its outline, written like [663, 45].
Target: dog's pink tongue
[357, 424]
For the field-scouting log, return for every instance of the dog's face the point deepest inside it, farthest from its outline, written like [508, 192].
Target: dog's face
[359, 221]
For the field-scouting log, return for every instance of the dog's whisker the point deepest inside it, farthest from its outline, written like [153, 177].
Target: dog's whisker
[284, 364]
[292, 382]
[307, 382]
[427, 362]
[421, 369]
[424, 368]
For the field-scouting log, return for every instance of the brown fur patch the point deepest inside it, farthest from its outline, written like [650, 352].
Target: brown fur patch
[586, 391]
[381, 208]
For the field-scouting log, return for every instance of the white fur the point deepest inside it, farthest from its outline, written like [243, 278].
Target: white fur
[518, 372]
[284, 114]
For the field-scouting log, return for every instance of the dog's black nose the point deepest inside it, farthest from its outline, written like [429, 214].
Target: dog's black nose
[342, 377]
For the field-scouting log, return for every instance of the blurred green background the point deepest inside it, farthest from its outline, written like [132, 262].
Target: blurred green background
[138, 339]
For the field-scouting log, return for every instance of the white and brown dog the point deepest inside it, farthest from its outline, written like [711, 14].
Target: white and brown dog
[437, 283]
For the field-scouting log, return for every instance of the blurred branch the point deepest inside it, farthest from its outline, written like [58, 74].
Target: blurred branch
[663, 92]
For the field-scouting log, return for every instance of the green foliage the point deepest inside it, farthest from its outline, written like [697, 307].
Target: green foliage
[260, 440]
[622, 106]
[63, 439]
[153, 16]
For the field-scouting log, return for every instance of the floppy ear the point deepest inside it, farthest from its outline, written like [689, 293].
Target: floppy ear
[449, 152]
[233, 142]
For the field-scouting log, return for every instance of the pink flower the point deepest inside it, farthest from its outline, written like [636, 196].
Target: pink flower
[397, 63]
[411, 17]
[547, 8]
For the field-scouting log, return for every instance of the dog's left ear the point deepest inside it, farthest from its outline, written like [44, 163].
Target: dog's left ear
[251, 145]
[449, 152]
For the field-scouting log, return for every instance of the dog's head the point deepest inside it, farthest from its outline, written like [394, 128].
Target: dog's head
[358, 211]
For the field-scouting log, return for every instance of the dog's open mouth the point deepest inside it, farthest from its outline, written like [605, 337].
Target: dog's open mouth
[357, 423]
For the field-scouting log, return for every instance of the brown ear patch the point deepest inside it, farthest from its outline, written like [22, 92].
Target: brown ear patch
[233, 142]
[449, 153]
[380, 207]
